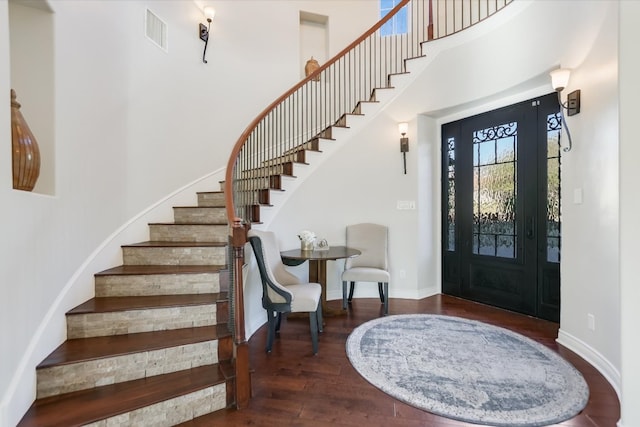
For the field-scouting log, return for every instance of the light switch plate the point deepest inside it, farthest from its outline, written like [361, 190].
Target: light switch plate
[406, 204]
[577, 196]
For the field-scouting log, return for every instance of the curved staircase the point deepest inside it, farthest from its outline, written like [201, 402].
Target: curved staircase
[153, 347]
[163, 341]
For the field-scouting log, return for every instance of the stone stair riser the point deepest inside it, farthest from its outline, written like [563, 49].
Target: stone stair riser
[157, 284]
[145, 320]
[94, 373]
[200, 215]
[172, 411]
[174, 255]
[211, 199]
[189, 233]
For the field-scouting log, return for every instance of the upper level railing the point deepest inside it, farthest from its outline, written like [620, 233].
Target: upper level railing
[306, 113]
[295, 121]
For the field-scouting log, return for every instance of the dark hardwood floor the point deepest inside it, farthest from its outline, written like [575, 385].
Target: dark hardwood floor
[294, 388]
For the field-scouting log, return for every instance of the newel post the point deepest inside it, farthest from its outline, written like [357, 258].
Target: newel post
[243, 378]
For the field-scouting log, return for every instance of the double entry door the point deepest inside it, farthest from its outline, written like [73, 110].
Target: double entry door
[501, 207]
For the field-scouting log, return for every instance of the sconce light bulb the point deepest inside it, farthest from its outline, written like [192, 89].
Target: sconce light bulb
[209, 13]
[403, 128]
[560, 78]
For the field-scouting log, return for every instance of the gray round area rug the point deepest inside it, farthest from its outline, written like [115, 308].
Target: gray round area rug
[467, 370]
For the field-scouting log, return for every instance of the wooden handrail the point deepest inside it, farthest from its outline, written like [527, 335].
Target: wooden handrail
[304, 114]
[231, 215]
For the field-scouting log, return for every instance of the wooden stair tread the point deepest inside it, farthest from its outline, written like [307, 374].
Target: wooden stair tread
[207, 420]
[200, 207]
[84, 349]
[86, 406]
[164, 244]
[256, 178]
[111, 304]
[261, 189]
[126, 270]
[203, 224]
[210, 192]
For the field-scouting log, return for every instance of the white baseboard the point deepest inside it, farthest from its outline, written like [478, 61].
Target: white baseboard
[591, 355]
[253, 324]
[371, 291]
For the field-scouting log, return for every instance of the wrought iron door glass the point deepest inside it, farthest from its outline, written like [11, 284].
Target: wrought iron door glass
[494, 191]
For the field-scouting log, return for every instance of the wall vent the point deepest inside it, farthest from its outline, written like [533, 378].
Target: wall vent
[156, 30]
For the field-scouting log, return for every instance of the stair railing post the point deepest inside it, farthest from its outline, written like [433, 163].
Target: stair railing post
[243, 378]
[430, 26]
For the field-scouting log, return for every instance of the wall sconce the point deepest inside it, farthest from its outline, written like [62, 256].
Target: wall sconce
[209, 13]
[404, 143]
[560, 80]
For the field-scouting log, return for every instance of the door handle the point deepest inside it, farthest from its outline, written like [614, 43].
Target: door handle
[531, 229]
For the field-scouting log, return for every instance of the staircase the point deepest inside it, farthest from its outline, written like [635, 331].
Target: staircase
[153, 347]
[257, 186]
[334, 94]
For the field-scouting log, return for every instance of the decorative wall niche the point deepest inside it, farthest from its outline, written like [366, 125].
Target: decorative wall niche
[32, 76]
[314, 39]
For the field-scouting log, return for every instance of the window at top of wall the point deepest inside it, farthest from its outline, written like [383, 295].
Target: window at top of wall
[397, 24]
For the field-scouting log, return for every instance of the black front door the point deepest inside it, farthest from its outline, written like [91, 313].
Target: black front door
[501, 207]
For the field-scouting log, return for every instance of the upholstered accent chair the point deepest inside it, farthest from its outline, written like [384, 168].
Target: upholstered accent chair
[372, 265]
[282, 292]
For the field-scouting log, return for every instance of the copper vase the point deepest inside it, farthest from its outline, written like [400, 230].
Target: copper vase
[310, 67]
[25, 151]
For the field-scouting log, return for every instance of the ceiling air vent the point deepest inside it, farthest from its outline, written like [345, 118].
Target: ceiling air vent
[156, 30]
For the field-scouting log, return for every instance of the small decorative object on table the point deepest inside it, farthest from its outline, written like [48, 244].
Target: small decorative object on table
[307, 239]
[322, 245]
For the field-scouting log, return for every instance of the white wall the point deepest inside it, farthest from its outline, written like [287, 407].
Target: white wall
[132, 125]
[591, 278]
[479, 70]
[6, 179]
[32, 78]
[629, 89]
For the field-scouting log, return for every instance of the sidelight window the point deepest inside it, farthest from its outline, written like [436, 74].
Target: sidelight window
[554, 123]
[451, 195]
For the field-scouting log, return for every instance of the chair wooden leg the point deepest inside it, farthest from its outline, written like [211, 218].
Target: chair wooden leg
[380, 292]
[271, 331]
[313, 325]
[386, 298]
[353, 284]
